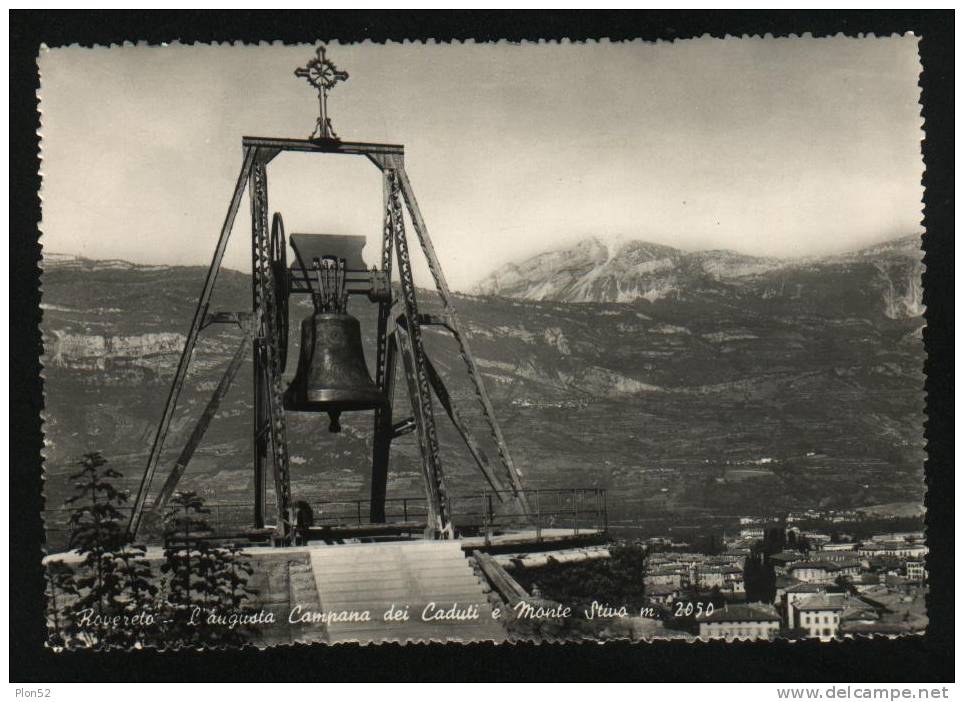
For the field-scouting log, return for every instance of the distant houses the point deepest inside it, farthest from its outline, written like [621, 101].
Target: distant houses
[822, 588]
[894, 549]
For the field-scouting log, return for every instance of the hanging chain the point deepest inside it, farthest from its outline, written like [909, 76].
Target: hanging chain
[332, 294]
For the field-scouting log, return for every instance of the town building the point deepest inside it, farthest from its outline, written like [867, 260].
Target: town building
[709, 577]
[819, 615]
[733, 579]
[672, 576]
[893, 549]
[798, 593]
[817, 538]
[663, 594]
[848, 569]
[841, 546]
[836, 556]
[782, 561]
[814, 571]
[741, 621]
[916, 571]
[907, 536]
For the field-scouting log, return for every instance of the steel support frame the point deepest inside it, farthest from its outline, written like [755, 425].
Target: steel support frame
[386, 349]
[419, 386]
[389, 158]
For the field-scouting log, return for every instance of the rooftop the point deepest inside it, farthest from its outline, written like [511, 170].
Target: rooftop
[820, 603]
[787, 556]
[825, 565]
[744, 613]
[660, 590]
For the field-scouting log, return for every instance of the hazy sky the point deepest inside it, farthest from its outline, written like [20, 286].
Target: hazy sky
[767, 146]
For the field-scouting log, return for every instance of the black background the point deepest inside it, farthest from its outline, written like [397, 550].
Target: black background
[926, 658]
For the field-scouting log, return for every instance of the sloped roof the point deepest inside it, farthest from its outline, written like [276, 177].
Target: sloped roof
[744, 613]
[819, 602]
[787, 556]
[825, 565]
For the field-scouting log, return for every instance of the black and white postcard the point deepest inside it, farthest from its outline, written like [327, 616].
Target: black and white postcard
[483, 342]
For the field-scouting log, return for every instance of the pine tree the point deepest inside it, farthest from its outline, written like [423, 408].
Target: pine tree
[112, 589]
[59, 587]
[183, 522]
[202, 578]
[759, 577]
[137, 578]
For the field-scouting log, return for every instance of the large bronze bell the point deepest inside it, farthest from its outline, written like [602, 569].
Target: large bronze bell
[332, 375]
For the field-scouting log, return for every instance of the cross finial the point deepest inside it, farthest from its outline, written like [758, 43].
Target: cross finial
[323, 75]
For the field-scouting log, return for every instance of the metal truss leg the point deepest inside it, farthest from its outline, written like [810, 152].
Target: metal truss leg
[386, 348]
[201, 427]
[181, 373]
[413, 355]
[262, 430]
[382, 443]
[421, 230]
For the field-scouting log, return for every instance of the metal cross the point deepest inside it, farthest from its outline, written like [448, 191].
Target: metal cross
[323, 75]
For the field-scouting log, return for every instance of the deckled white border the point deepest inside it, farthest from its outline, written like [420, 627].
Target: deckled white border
[552, 42]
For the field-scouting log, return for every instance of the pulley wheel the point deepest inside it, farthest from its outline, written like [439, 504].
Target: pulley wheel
[278, 251]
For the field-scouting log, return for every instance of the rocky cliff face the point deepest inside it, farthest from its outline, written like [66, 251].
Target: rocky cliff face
[98, 351]
[903, 295]
[591, 271]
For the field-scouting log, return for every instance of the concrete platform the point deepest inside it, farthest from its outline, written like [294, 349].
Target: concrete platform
[531, 541]
[432, 581]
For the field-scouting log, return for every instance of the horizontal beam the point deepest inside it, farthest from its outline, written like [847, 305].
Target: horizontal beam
[439, 320]
[406, 426]
[364, 530]
[238, 318]
[325, 146]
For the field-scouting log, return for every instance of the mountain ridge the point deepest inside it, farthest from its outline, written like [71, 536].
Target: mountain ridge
[592, 270]
[815, 367]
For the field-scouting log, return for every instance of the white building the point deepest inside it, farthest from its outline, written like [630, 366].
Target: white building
[671, 577]
[842, 546]
[814, 571]
[820, 616]
[894, 549]
[663, 594]
[709, 577]
[741, 621]
[798, 593]
[912, 536]
[849, 569]
[916, 571]
[733, 579]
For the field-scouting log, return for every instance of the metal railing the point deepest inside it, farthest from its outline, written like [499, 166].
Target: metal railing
[484, 513]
